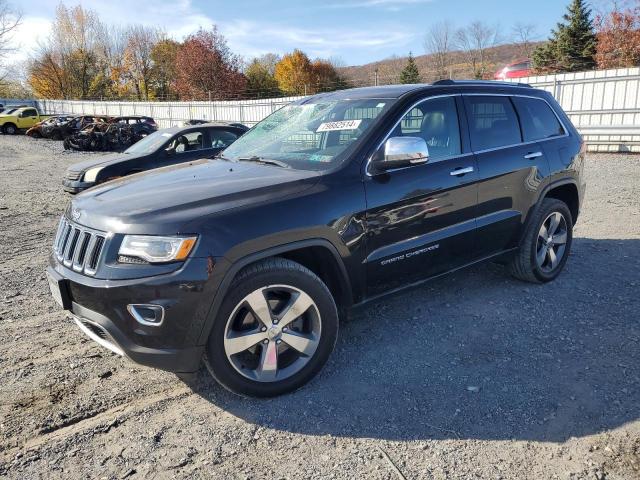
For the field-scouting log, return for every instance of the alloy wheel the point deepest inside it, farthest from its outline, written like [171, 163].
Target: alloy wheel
[551, 244]
[272, 333]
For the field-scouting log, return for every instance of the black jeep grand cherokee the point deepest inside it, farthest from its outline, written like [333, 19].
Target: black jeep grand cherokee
[248, 260]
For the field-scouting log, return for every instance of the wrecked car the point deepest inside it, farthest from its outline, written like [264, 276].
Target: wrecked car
[39, 129]
[160, 149]
[65, 127]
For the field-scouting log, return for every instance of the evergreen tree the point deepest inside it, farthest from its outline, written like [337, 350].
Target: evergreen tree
[572, 45]
[410, 73]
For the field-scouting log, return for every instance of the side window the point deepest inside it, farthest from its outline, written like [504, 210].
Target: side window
[492, 122]
[188, 142]
[537, 118]
[29, 113]
[221, 138]
[436, 121]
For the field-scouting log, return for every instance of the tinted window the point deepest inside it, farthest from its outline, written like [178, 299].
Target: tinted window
[537, 118]
[437, 122]
[221, 138]
[492, 122]
[29, 113]
[188, 142]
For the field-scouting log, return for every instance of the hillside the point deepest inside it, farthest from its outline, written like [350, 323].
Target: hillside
[389, 69]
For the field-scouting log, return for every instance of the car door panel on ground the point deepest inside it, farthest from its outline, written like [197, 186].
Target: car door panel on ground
[510, 169]
[421, 219]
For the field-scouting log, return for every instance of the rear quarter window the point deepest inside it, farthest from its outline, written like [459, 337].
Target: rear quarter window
[493, 122]
[537, 118]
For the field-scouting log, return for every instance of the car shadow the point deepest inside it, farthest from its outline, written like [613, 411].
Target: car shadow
[479, 355]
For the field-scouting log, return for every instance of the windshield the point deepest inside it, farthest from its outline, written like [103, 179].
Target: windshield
[150, 143]
[311, 136]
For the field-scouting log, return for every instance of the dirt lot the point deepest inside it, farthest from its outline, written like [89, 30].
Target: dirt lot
[472, 376]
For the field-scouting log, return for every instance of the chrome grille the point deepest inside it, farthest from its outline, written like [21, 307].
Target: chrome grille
[78, 247]
[73, 175]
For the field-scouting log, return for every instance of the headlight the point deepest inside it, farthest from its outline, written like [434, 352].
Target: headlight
[155, 249]
[91, 174]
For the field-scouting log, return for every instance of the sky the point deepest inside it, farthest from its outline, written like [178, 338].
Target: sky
[354, 31]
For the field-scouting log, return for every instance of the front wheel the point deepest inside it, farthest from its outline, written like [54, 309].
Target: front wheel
[274, 331]
[546, 244]
[10, 129]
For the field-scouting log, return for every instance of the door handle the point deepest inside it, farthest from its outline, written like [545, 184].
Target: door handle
[461, 171]
[529, 156]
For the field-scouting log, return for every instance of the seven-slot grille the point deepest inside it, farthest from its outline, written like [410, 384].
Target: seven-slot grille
[78, 248]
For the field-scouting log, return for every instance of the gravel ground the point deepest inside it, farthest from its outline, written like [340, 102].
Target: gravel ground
[475, 375]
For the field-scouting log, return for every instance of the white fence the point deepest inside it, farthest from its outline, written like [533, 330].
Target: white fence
[604, 105]
[167, 114]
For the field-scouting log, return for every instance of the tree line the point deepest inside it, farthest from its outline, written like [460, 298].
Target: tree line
[86, 58]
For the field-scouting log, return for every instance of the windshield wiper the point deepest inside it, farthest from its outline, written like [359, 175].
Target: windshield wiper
[266, 161]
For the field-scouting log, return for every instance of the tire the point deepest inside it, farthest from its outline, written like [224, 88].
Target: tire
[254, 371]
[534, 261]
[10, 129]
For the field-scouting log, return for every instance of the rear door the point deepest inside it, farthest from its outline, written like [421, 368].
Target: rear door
[421, 219]
[510, 171]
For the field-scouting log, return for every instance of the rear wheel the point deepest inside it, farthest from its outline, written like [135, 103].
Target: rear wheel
[546, 245]
[274, 331]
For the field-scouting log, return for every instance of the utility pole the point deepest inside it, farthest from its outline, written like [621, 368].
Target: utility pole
[375, 77]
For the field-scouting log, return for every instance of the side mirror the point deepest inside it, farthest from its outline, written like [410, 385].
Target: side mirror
[400, 152]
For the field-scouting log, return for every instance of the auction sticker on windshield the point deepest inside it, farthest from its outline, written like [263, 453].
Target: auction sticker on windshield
[341, 125]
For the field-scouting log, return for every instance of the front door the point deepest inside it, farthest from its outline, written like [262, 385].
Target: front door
[28, 118]
[421, 219]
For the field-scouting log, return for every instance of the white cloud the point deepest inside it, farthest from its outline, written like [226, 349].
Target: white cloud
[253, 39]
[25, 38]
[248, 38]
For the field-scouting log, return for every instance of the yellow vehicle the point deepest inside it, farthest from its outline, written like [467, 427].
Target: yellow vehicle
[20, 119]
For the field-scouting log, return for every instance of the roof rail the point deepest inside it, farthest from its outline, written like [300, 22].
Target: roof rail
[480, 82]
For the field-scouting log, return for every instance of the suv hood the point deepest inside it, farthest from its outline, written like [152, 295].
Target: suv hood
[161, 201]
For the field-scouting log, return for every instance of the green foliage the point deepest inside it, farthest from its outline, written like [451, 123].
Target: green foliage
[410, 73]
[261, 82]
[572, 46]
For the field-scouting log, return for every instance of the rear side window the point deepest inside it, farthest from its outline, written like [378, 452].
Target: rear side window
[221, 138]
[436, 121]
[493, 122]
[537, 118]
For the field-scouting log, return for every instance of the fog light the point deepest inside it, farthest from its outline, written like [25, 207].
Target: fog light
[147, 314]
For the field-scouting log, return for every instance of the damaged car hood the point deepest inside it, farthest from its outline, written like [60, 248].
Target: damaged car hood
[164, 199]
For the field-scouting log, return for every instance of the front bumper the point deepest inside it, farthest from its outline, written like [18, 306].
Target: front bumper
[99, 308]
[75, 186]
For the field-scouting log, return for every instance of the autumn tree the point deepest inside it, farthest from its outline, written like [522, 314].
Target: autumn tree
[572, 45]
[261, 80]
[69, 60]
[163, 57]
[293, 73]
[138, 57]
[618, 34]
[325, 77]
[206, 68]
